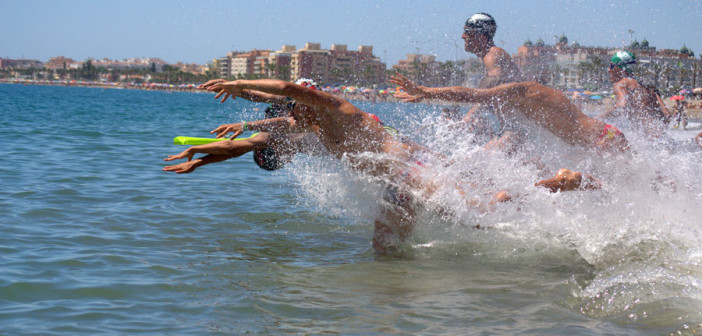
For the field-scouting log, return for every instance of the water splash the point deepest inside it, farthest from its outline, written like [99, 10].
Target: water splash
[640, 233]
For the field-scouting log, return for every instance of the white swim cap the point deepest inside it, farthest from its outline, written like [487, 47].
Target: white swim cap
[306, 82]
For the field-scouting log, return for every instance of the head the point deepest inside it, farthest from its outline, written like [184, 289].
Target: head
[270, 159]
[621, 65]
[478, 32]
[308, 83]
[293, 106]
[278, 110]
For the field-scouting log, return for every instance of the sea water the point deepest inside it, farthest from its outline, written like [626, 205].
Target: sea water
[96, 239]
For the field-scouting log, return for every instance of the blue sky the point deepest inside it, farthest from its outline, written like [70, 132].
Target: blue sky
[198, 31]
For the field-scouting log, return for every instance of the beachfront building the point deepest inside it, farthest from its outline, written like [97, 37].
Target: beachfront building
[311, 62]
[153, 64]
[360, 66]
[573, 66]
[667, 68]
[423, 69]
[239, 64]
[196, 69]
[562, 65]
[6, 63]
[279, 63]
[335, 65]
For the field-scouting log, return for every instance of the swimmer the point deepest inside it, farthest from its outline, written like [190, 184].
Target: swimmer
[478, 36]
[345, 130]
[545, 106]
[270, 152]
[640, 104]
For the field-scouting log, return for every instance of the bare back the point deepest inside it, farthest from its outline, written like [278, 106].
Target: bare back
[640, 104]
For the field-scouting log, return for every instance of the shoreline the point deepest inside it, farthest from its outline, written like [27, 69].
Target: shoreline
[692, 113]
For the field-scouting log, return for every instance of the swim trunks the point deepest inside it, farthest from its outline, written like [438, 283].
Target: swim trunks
[610, 136]
[398, 194]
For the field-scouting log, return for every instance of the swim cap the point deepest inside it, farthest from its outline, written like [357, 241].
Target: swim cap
[482, 23]
[623, 59]
[267, 159]
[306, 82]
[375, 117]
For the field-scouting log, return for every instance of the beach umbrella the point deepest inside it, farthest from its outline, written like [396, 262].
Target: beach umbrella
[677, 97]
[697, 90]
[685, 91]
[596, 97]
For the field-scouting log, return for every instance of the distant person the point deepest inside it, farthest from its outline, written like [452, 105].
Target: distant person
[638, 103]
[680, 114]
[545, 106]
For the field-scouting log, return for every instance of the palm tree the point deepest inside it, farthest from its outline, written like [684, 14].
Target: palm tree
[683, 72]
[598, 65]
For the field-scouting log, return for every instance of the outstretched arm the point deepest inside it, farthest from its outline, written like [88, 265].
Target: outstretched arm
[250, 95]
[273, 125]
[415, 93]
[299, 93]
[217, 152]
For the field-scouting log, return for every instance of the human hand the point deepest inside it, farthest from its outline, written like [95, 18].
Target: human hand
[407, 85]
[182, 168]
[188, 153]
[228, 89]
[235, 129]
[209, 83]
[407, 98]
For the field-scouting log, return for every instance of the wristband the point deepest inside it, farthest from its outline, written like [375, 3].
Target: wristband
[244, 130]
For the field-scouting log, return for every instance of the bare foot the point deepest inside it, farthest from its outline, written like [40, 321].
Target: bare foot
[566, 180]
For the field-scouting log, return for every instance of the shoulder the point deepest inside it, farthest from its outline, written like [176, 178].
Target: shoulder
[498, 56]
[622, 86]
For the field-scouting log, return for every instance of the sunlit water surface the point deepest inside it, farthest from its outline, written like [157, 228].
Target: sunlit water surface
[96, 239]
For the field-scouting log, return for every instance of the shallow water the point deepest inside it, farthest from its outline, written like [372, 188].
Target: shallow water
[96, 239]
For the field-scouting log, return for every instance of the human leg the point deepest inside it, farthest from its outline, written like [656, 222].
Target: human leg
[395, 223]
